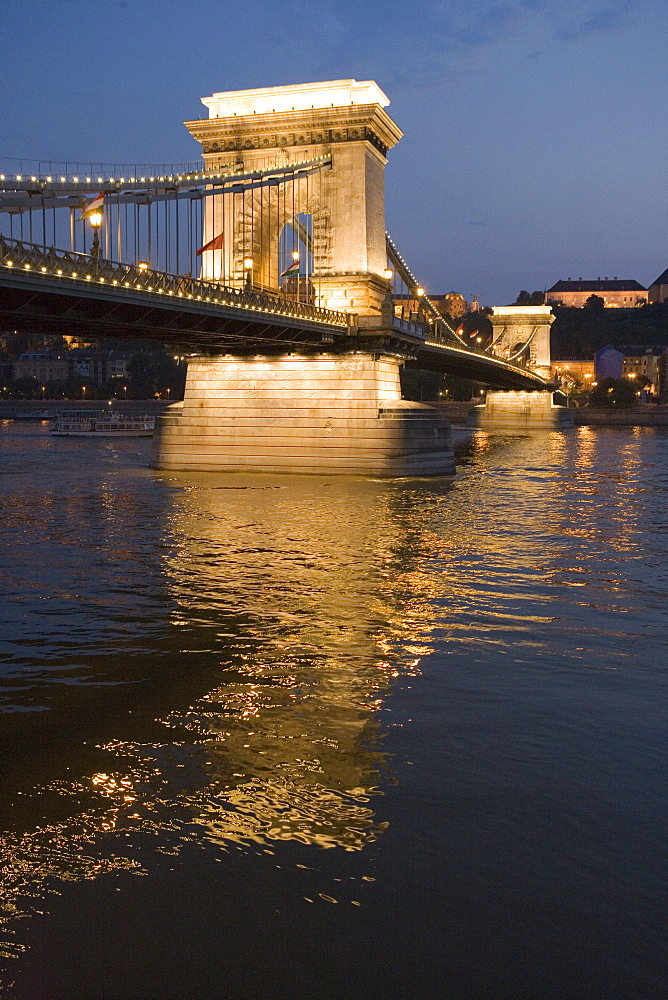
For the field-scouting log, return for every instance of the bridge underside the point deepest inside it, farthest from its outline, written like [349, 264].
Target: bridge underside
[483, 368]
[182, 322]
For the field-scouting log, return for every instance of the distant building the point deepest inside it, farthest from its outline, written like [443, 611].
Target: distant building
[608, 363]
[450, 304]
[636, 361]
[658, 290]
[616, 294]
[98, 366]
[43, 367]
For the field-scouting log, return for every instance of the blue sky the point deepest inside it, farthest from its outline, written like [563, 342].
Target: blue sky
[536, 135]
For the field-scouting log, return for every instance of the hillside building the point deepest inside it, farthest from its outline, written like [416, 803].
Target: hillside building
[616, 293]
[658, 290]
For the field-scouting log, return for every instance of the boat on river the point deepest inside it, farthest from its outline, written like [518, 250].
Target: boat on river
[103, 423]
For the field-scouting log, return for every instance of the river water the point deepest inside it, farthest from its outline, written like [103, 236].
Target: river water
[331, 738]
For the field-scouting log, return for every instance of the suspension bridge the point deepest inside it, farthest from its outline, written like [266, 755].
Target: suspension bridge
[273, 248]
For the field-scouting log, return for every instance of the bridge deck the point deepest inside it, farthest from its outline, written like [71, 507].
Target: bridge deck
[51, 291]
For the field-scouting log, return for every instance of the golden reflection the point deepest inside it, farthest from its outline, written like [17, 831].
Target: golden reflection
[310, 570]
[292, 606]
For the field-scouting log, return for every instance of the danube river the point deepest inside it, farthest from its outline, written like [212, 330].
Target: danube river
[335, 739]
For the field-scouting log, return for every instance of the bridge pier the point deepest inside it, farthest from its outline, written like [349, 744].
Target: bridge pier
[325, 413]
[520, 411]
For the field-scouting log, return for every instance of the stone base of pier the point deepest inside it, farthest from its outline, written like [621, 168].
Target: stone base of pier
[302, 414]
[520, 411]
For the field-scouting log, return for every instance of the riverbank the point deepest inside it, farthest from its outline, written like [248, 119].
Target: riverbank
[457, 412]
[45, 409]
[636, 416]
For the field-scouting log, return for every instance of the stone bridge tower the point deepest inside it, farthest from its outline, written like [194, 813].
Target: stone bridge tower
[344, 120]
[517, 325]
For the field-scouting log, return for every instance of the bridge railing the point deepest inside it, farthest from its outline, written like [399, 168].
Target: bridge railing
[86, 267]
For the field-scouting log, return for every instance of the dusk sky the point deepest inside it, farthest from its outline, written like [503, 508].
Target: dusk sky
[536, 135]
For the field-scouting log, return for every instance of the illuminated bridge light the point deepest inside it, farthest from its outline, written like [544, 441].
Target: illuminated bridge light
[10, 263]
[27, 267]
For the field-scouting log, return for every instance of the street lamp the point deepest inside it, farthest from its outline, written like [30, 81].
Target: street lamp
[248, 268]
[95, 219]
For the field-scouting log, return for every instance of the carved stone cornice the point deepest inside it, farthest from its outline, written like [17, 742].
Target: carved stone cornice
[313, 127]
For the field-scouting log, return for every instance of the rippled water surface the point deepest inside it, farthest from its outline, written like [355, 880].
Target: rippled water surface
[335, 738]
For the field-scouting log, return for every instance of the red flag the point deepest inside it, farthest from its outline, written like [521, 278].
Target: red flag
[96, 205]
[215, 244]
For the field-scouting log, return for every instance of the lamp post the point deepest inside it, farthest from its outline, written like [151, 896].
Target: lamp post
[419, 292]
[248, 268]
[95, 219]
[295, 260]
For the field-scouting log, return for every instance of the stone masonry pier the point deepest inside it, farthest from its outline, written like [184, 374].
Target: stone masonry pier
[302, 414]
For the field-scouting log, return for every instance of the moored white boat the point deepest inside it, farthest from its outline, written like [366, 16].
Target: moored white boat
[103, 423]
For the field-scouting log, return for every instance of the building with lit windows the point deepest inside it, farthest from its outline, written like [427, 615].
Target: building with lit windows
[450, 304]
[98, 366]
[636, 361]
[616, 293]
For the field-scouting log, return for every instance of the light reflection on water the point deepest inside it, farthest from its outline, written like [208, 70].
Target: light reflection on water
[203, 660]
